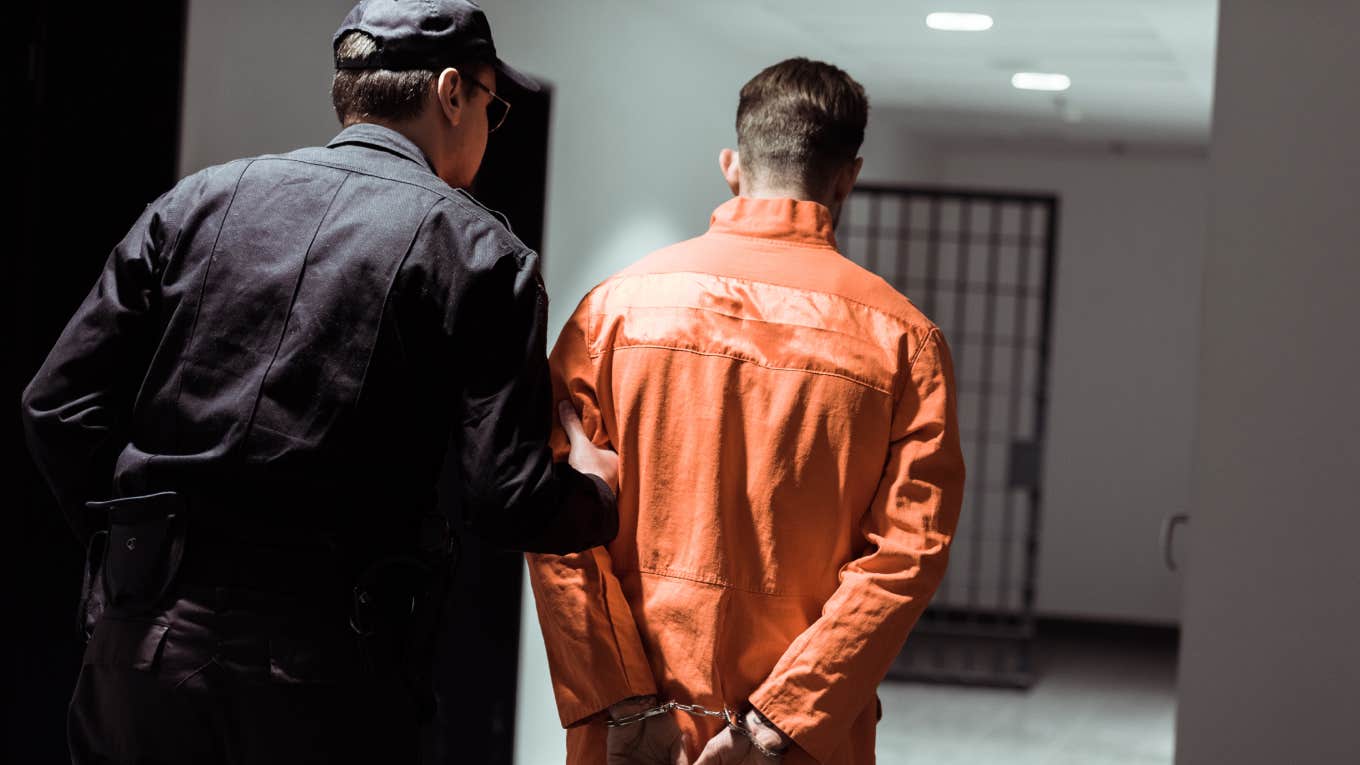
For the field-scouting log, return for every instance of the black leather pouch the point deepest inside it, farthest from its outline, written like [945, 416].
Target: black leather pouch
[145, 547]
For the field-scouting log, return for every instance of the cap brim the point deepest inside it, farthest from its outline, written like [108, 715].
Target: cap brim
[520, 79]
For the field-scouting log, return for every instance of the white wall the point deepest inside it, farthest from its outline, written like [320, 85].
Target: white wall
[257, 78]
[893, 153]
[1269, 665]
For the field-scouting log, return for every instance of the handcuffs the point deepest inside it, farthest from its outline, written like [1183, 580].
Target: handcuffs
[726, 714]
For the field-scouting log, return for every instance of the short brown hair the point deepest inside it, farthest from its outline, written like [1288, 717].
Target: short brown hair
[800, 120]
[383, 94]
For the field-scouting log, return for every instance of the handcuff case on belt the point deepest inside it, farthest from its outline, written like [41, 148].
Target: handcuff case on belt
[142, 552]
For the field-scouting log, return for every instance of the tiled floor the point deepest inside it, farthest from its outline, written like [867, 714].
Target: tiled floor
[1100, 700]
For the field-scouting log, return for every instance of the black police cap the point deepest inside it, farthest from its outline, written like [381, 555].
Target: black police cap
[424, 34]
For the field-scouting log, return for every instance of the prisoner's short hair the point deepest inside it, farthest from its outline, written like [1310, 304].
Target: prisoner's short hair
[799, 121]
[359, 95]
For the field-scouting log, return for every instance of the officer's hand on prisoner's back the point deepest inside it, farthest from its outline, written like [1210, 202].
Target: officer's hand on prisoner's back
[654, 741]
[585, 456]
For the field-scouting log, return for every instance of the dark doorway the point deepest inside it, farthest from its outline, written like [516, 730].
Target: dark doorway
[98, 122]
[479, 653]
[980, 264]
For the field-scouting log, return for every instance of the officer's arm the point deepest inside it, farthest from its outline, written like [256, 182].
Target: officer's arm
[77, 404]
[516, 495]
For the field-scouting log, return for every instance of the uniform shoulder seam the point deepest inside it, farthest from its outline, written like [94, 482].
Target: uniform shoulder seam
[461, 200]
[931, 336]
[895, 315]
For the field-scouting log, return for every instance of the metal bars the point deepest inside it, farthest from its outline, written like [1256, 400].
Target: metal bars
[980, 265]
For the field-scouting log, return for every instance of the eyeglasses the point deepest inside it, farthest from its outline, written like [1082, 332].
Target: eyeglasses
[497, 109]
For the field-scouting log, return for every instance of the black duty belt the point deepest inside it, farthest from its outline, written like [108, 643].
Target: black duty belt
[161, 544]
[213, 560]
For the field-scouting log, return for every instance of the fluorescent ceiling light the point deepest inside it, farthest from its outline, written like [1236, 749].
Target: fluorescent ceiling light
[1041, 81]
[959, 22]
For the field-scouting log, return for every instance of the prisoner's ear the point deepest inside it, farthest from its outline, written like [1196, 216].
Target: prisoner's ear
[730, 163]
[845, 180]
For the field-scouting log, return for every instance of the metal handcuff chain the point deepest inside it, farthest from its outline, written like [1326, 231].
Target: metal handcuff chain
[729, 717]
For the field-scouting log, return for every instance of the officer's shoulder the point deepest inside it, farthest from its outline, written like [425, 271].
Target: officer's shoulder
[200, 186]
[222, 176]
[474, 228]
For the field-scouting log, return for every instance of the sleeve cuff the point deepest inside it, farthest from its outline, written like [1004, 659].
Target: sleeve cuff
[582, 711]
[793, 723]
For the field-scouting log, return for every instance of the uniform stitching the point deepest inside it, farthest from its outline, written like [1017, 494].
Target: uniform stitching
[454, 197]
[779, 242]
[910, 325]
[203, 288]
[931, 337]
[736, 357]
[289, 317]
[746, 318]
[712, 581]
[390, 289]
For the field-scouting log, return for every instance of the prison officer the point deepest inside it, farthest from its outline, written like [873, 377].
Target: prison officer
[246, 417]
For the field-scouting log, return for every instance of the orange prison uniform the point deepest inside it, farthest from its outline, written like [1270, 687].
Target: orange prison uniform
[791, 479]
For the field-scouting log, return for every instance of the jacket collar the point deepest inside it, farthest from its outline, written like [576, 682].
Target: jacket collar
[379, 137]
[787, 220]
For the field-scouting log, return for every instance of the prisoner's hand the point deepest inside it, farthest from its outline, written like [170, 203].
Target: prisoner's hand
[585, 456]
[654, 741]
[732, 747]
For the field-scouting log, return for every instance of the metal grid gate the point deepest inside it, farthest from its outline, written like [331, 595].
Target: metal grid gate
[980, 265]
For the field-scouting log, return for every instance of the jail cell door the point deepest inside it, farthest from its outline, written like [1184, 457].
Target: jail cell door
[980, 265]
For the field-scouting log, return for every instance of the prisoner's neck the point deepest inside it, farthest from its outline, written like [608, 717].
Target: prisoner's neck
[784, 191]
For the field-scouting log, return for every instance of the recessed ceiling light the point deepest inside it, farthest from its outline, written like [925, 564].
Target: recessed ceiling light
[959, 22]
[1041, 81]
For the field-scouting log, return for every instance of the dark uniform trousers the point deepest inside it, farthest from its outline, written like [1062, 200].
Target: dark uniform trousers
[233, 676]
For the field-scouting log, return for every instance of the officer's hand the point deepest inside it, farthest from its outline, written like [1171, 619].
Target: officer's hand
[654, 741]
[585, 456]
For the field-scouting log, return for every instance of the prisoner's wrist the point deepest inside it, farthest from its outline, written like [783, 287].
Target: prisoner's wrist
[631, 706]
[764, 732]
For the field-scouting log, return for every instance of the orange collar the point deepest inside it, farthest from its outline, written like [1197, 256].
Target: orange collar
[787, 220]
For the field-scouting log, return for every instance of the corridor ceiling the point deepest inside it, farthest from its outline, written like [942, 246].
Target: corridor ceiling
[1141, 70]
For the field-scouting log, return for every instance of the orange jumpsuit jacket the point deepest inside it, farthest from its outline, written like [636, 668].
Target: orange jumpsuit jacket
[790, 481]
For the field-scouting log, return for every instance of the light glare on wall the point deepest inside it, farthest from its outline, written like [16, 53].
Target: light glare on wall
[959, 22]
[1041, 81]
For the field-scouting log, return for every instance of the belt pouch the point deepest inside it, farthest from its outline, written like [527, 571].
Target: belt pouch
[145, 549]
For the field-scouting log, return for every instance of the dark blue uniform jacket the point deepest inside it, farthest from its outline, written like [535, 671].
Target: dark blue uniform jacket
[303, 337]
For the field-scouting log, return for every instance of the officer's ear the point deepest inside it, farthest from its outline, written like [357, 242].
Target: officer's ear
[449, 95]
